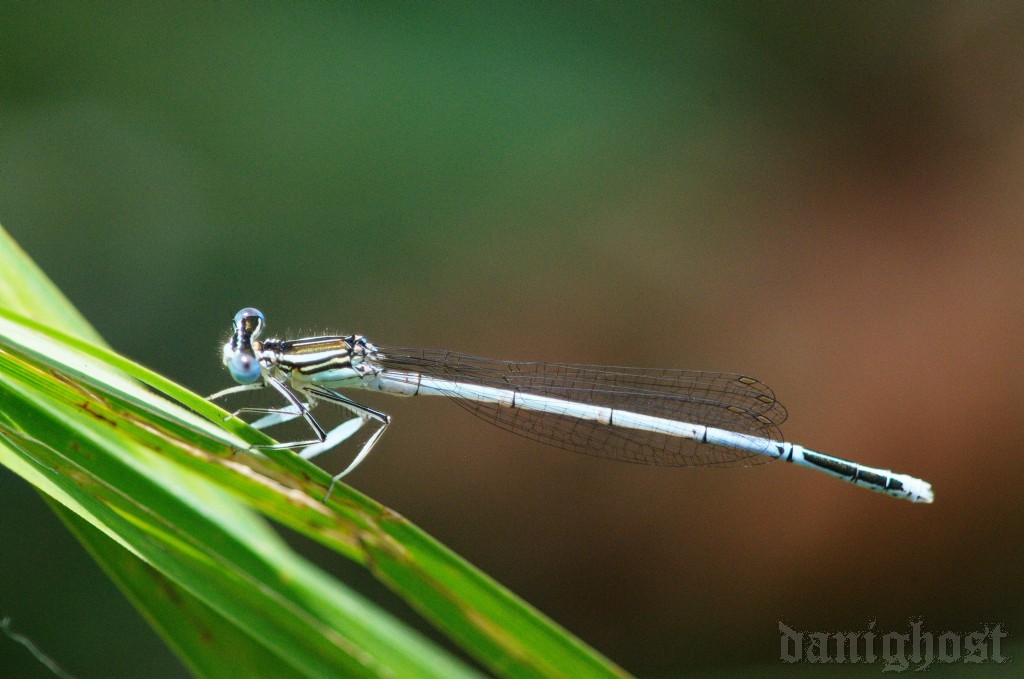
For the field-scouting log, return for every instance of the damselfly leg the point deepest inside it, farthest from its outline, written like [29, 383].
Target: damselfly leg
[325, 439]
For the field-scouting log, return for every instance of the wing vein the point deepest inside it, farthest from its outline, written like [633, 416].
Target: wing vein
[723, 400]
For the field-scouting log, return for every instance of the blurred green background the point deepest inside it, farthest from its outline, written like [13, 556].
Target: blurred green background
[826, 196]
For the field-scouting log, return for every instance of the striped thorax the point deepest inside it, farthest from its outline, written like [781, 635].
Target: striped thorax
[249, 359]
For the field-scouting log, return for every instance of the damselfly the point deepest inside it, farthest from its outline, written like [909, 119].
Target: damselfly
[674, 418]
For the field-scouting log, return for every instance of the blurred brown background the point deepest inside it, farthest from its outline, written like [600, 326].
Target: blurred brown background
[826, 196]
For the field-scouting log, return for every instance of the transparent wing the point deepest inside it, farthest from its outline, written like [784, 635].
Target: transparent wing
[723, 400]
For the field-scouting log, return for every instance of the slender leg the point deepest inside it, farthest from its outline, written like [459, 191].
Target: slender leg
[286, 414]
[234, 390]
[301, 408]
[272, 416]
[311, 449]
[324, 441]
[367, 447]
[335, 436]
[295, 408]
[365, 414]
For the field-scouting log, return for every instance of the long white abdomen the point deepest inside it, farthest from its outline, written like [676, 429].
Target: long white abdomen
[882, 480]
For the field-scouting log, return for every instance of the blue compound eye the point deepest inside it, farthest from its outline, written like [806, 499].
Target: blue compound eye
[244, 368]
[250, 320]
